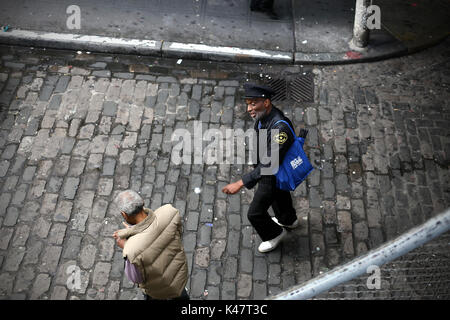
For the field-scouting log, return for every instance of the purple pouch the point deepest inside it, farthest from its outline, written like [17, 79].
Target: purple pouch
[132, 272]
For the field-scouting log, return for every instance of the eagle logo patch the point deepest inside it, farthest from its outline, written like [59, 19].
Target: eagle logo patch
[280, 138]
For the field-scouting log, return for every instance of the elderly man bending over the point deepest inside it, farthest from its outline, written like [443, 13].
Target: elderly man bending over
[152, 248]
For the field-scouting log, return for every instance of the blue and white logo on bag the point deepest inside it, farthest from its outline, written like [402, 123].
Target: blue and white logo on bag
[296, 162]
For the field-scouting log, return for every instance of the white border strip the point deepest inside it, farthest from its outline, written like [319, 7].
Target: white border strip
[144, 47]
[227, 51]
[77, 41]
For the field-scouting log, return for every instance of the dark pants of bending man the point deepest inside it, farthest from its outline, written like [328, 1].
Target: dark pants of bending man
[265, 6]
[261, 5]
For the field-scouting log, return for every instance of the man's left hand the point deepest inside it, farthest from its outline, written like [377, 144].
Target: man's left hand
[120, 242]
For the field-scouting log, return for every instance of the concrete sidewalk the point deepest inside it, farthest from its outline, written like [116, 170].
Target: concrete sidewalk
[306, 31]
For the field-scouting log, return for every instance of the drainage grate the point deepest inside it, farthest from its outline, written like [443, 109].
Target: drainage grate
[300, 88]
[280, 87]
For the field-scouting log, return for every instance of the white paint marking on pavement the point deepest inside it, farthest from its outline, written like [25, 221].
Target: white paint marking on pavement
[226, 50]
[136, 44]
[62, 37]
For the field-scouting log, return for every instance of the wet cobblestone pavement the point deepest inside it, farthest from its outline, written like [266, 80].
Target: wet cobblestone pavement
[75, 129]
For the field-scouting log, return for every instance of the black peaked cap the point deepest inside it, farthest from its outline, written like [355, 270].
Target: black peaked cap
[257, 91]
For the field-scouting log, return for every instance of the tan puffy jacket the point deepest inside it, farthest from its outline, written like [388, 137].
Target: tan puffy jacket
[154, 246]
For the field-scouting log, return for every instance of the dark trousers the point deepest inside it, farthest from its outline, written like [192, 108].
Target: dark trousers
[265, 196]
[184, 296]
[261, 5]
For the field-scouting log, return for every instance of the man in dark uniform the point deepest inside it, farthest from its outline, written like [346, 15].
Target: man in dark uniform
[271, 231]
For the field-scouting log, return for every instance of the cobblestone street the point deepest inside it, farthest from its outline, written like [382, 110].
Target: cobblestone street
[77, 128]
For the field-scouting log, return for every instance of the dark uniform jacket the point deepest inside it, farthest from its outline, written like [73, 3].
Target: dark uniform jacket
[284, 140]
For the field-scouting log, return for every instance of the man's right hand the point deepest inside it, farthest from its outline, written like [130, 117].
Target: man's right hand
[233, 188]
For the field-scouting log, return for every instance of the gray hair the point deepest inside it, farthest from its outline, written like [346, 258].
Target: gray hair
[130, 202]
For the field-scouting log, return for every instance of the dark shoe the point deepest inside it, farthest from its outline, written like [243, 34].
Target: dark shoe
[272, 14]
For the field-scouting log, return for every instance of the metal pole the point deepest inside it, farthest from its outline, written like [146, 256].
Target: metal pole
[360, 31]
[386, 253]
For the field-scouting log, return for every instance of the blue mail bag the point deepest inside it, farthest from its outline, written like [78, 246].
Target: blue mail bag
[295, 166]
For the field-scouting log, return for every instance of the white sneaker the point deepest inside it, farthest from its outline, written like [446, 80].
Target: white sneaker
[291, 226]
[269, 245]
